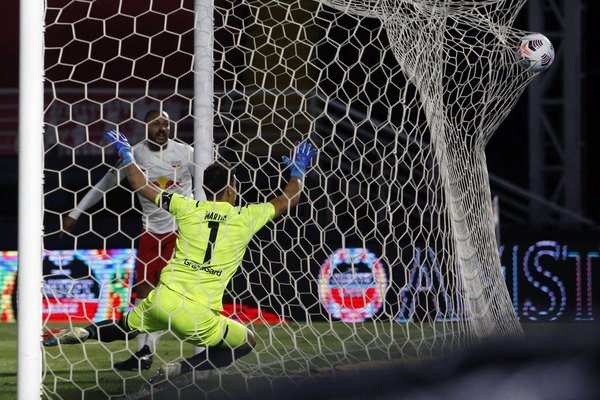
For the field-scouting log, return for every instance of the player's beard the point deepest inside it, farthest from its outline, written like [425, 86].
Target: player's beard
[159, 140]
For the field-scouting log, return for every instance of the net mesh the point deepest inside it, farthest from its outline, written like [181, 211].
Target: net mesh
[391, 254]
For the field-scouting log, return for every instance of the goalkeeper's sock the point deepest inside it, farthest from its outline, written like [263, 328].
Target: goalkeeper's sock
[108, 330]
[213, 358]
[152, 340]
[141, 339]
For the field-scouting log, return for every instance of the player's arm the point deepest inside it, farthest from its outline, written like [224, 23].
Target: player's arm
[290, 198]
[137, 179]
[139, 182]
[93, 196]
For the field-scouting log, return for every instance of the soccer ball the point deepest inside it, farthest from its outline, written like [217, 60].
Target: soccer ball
[535, 52]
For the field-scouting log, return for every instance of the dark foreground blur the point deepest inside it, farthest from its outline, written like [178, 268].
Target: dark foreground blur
[560, 365]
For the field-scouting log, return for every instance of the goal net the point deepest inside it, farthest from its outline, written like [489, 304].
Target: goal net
[391, 254]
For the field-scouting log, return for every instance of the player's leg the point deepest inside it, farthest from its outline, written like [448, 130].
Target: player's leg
[237, 341]
[154, 250]
[142, 358]
[166, 246]
[145, 317]
[105, 331]
[147, 258]
[145, 343]
[225, 340]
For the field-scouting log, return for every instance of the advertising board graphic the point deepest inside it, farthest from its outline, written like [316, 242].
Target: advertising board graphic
[352, 284]
[92, 286]
[78, 285]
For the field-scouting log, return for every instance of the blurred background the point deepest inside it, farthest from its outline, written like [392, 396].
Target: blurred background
[541, 160]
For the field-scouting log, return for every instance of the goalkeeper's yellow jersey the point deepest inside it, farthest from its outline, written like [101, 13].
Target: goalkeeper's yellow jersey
[213, 238]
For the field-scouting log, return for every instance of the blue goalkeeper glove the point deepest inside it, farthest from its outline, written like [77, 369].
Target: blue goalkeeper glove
[121, 144]
[304, 153]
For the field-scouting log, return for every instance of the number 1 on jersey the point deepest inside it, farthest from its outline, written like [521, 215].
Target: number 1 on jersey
[212, 238]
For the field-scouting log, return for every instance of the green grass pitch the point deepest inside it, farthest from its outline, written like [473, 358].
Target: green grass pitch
[285, 353]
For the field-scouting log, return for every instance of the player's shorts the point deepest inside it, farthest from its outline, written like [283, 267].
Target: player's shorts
[154, 250]
[165, 309]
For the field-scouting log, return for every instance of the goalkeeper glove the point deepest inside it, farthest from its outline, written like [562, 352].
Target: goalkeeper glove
[304, 153]
[122, 146]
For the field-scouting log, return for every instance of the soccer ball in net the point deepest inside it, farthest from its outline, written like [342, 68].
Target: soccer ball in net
[535, 52]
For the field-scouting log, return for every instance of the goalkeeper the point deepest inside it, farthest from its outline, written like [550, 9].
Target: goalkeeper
[213, 237]
[169, 165]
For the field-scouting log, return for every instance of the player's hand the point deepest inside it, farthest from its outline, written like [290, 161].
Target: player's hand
[68, 223]
[304, 152]
[122, 146]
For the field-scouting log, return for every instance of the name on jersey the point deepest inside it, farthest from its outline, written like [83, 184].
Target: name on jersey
[213, 216]
[202, 268]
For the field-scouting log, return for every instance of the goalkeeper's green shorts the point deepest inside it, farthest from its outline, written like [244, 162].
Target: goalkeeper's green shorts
[165, 309]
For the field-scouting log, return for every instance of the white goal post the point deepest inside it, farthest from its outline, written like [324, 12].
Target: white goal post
[391, 254]
[31, 122]
[203, 88]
